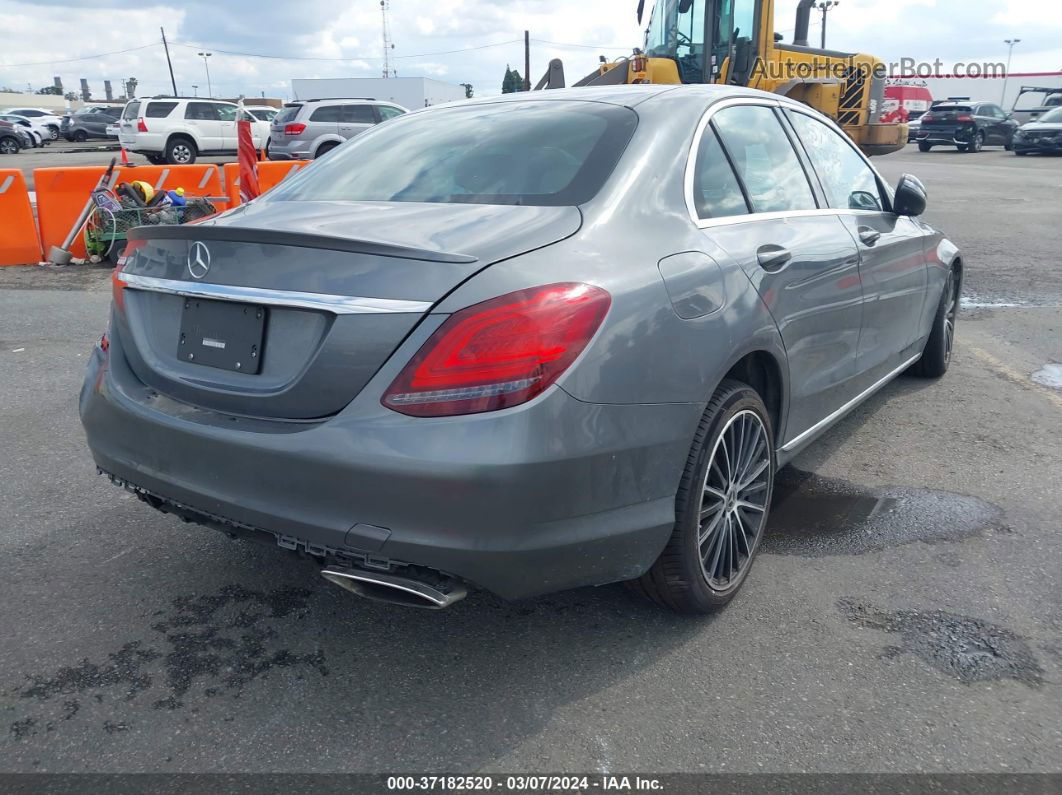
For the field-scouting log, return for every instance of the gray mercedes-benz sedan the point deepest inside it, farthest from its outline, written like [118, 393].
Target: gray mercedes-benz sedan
[522, 344]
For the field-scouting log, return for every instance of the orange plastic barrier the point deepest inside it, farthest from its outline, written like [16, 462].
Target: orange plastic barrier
[62, 192]
[19, 244]
[270, 173]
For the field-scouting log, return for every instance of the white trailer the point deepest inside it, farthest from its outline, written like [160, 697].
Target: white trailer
[409, 92]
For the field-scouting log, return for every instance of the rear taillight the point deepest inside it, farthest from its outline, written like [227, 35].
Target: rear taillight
[499, 353]
[105, 342]
[141, 126]
[927, 117]
[966, 117]
[296, 128]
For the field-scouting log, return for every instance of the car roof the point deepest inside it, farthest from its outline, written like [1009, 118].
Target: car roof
[629, 94]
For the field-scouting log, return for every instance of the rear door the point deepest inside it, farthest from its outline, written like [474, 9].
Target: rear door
[801, 260]
[323, 120]
[204, 119]
[891, 258]
[355, 119]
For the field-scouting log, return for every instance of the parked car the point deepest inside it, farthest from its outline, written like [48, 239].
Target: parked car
[13, 138]
[310, 128]
[1043, 136]
[914, 125]
[90, 122]
[968, 126]
[528, 343]
[45, 116]
[177, 130]
[261, 112]
[39, 133]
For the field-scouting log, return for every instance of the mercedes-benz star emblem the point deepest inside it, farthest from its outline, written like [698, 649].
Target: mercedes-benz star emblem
[198, 260]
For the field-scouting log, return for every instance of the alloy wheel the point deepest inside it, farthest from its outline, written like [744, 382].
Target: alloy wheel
[8, 147]
[181, 153]
[951, 310]
[734, 500]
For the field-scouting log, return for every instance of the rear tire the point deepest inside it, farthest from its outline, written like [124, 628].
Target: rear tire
[924, 147]
[721, 506]
[324, 149]
[53, 132]
[180, 151]
[936, 356]
[9, 146]
[80, 137]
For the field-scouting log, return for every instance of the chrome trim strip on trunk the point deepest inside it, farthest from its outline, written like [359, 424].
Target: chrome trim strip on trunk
[336, 304]
[851, 404]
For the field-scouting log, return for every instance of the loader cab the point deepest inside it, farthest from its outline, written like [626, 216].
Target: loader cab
[679, 29]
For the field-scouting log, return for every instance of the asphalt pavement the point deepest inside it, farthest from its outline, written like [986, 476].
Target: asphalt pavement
[905, 615]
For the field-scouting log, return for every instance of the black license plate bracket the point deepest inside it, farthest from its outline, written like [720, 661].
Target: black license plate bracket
[222, 334]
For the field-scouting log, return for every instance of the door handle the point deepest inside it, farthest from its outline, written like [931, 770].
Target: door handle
[773, 258]
[868, 235]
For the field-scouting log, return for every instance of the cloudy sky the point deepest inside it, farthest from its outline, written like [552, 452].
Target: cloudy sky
[325, 38]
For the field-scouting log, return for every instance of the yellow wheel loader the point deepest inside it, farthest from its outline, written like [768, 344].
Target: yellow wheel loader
[732, 42]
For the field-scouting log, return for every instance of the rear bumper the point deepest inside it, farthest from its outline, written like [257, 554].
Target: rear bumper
[550, 495]
[289, 150]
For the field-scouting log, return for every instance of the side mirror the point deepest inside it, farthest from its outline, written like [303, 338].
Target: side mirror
[910, 197]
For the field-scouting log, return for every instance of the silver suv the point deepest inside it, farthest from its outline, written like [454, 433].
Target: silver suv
[306, 129]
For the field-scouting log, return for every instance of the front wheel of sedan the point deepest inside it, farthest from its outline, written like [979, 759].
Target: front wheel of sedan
[721, 506]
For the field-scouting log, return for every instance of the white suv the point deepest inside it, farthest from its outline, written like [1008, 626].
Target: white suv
[177, 130]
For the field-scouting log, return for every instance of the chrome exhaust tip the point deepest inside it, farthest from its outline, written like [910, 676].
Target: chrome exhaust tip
[396, 590]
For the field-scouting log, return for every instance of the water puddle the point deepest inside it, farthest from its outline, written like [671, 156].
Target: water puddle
[815, 516]
[1049, 375]
[965, 648]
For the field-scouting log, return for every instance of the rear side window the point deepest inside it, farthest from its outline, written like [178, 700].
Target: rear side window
[288, 113]
[201, 111]
[849, 182]
[764, 158]
[542, 153]
[227, 112]
[159, 110]
[328, 113]
[131, 110]
[358, 114]
[716, 190]
[387, 112]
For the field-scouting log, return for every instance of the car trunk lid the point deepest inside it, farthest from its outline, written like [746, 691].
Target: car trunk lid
[287, 309]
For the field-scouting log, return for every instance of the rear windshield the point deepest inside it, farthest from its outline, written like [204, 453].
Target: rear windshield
[287, 114]
[544, 153]
[951, 109]
[131, 110]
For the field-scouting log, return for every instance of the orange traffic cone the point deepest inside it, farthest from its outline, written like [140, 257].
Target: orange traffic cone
[125, 157]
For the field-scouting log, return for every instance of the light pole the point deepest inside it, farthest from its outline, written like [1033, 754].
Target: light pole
[206, 65]
[1006, 76]
[195, 90]
[824, 6]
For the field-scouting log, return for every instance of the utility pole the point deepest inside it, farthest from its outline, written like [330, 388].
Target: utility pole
[169, 63]
[385, 30]
[527, 61]
[206, 65]
[824, 6]
[1010, 51]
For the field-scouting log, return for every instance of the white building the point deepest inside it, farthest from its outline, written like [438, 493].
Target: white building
[990, 89]
[409, 92]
